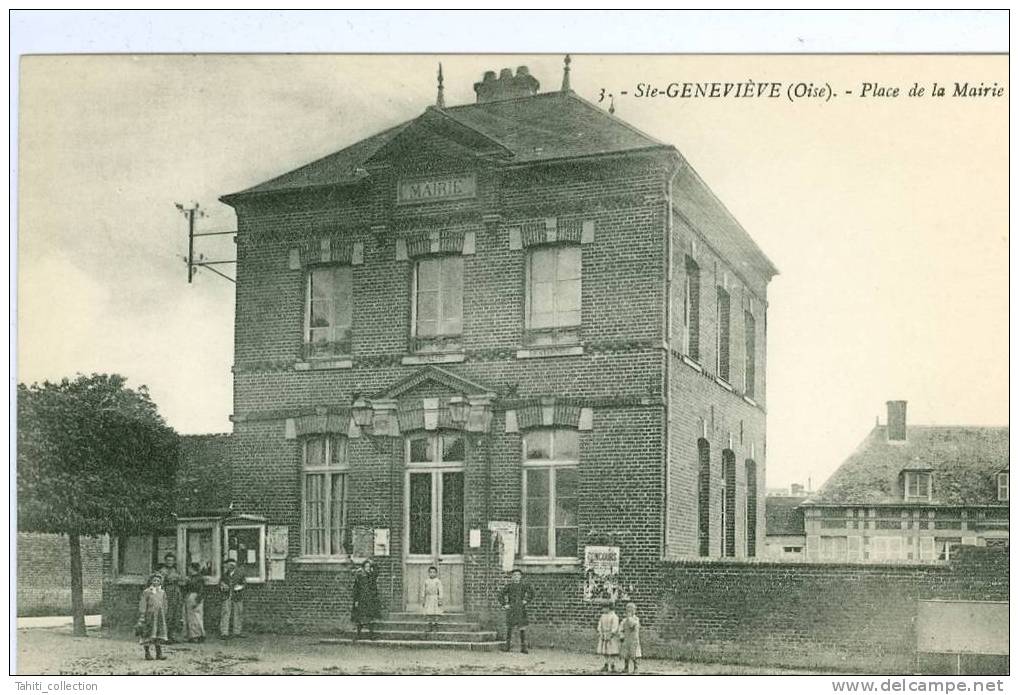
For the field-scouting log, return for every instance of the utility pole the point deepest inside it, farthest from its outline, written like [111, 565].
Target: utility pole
[191, 212]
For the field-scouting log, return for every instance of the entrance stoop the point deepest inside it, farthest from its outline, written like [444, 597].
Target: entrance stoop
[454, 631]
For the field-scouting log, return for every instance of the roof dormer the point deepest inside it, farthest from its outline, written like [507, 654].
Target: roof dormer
[917, 483]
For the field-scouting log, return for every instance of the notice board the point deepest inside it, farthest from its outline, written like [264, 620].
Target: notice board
[962, 627]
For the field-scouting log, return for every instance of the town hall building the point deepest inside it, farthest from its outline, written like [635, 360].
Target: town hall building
[488, 337]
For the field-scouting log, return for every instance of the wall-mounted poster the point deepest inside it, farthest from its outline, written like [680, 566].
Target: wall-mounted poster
[601, 573]
[279, 542]
[381, 542]
[364, 541]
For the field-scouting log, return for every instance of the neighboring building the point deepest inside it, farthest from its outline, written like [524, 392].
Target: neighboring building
[521, 313]
[794, 490]
[785, 538]
[909, 493]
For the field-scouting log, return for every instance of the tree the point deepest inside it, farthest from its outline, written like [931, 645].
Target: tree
[94, 457]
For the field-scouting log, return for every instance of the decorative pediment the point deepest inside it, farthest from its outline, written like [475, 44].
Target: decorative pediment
[437, 135]
[433, 381]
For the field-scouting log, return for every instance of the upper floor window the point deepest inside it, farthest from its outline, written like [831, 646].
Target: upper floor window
[749, 354]
[438, 304]
[328, 310]
[917, 485]
[722, 335]
[551, 482]
[324, 490]
[553, 295]
[692, 310]
[1003, 486]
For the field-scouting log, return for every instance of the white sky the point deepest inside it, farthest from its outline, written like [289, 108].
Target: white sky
[886, 218]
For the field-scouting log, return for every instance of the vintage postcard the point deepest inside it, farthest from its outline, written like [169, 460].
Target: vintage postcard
[513, 364]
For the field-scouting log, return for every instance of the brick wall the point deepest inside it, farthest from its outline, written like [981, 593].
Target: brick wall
[856, 617]
[44, 574]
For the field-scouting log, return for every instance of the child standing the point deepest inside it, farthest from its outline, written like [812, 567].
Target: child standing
[608, 637]
[152, 609]
[629, 627]
[431, 598]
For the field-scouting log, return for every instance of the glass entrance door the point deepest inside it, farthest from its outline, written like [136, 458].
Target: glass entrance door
[435, 534]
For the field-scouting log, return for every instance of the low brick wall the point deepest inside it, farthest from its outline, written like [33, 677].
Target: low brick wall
[44, 574]
[853, 617]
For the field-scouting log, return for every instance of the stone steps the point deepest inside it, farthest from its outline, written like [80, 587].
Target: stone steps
[416, 644]
[452, 631]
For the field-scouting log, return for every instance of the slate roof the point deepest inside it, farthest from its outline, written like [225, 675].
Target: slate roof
[783, 516]
[553, 125]
[527, 130]
[964, 462]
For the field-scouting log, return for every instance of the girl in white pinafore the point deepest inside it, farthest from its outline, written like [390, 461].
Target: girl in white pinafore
[431, 597]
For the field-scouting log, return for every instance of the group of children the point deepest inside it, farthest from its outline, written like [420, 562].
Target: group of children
[163, 609]
[619, 638]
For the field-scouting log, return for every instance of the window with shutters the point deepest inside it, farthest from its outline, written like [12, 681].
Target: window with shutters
[692, 310]
[722, 335]
[328, 311]
[550, 491]
[553, 295]
[438, 304]
[324, 475]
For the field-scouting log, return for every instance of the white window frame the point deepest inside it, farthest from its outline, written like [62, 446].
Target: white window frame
[333, 269]
[909, 477]
[562, 333]
[327, 470]
[827, 548]
[550, 466]
[886, 549]
[440, 338]
[217, 548]
[1002, 481]
[261, 548]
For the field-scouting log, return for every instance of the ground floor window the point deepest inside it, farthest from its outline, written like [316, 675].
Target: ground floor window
[325, 513]
[834, 548]
[140, 556]
[551, 482]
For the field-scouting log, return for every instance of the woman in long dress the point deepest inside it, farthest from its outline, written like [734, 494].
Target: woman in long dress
[152, 609]
[365, 609]
[194, 605]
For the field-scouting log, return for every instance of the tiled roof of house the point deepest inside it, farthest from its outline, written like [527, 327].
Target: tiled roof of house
[533, 129]
[963, 461]
[783, 516]
[553, 125]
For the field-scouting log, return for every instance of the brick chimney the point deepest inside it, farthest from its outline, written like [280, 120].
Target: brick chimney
[896, 421]
[506, 86]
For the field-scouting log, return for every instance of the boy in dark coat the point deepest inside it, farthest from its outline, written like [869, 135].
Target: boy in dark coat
[514, 598]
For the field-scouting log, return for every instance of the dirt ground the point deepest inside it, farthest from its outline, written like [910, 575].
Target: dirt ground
[53, 651]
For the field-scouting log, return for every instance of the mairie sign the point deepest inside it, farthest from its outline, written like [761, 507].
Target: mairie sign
[436, 189]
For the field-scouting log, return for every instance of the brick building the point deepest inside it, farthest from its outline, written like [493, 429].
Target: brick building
[520, 313]
[909, 493]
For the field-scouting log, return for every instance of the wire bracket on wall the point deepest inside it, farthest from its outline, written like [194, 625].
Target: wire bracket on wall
[192, 212]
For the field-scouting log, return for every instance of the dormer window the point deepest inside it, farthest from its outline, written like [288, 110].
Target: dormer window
[1003, 486]
[916, 486]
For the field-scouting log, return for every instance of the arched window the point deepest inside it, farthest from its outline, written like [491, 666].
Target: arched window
[704, 497]
[751, 512]
[728, 503]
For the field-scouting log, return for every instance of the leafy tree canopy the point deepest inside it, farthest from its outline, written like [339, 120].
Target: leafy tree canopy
[93, 457]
